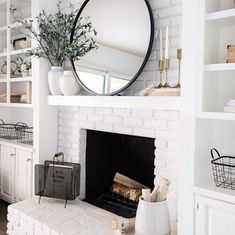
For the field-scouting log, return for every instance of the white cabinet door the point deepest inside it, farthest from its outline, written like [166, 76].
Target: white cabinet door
[7, 173]
[23, 175]
[214, 217]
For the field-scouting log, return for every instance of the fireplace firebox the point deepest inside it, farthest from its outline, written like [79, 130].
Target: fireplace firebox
[109, 153]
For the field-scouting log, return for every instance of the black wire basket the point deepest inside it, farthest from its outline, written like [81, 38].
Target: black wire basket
[9, 131]
[223, 168]
[24, 134]
[57, 179]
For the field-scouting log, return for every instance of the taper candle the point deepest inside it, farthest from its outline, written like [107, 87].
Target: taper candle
[161, 46]
[167, 44]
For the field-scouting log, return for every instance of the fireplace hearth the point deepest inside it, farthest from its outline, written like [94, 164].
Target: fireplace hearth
[109, 153]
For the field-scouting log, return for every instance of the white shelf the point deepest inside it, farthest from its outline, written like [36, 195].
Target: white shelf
[215, 193]
[3, 28]
[216, 115]
[20, 51]
[219, 67]
[3, 80]
[16, 105]
[18, 24]
[3, 54]
[15, 144]
[21, 79]
[220, 15]
[136, 102]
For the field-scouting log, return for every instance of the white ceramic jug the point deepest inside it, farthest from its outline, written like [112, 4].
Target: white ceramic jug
[53, 80]
[152, 218]
[68, 84]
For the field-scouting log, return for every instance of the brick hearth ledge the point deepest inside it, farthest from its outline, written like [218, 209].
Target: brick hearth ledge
[51, 218]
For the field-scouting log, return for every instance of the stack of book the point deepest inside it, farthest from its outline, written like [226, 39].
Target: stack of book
[230, 107]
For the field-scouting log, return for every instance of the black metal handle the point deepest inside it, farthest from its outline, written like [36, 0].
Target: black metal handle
[57, 155]
[212, 153]
[2, 121]
[21, 124]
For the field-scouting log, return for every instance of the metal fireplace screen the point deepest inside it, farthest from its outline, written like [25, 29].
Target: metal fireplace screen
[57, 179]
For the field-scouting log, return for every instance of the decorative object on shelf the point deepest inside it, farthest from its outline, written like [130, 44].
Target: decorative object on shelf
[29, 92]
[54, 80]
[161, 61]
[53, 37]
[68, 84]
[223, 168]
[17, 43]
[164, 63]
[25, 44]
[230, 107]
[24, 66]
[14, 68]
[230, 54]
[24, 134]
[8, 131]
[153, 91]
[14, 98]
[117, 63]
[57, 179]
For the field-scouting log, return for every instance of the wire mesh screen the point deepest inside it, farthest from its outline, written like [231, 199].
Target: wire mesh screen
[57, 180]
[223, 169]
[9, 131]
[25, 135]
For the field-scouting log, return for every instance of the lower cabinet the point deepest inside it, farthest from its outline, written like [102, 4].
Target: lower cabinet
[214, 217]
[16, 174]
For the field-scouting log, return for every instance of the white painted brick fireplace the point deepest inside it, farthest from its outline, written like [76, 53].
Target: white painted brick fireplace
[163, 125]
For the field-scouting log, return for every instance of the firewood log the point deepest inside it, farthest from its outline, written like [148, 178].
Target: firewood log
[130, 193]
[128, 182]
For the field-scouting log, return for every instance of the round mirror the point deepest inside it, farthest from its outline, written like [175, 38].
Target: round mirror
[125, 32]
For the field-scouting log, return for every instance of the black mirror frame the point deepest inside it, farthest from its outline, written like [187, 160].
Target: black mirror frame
[141, 67]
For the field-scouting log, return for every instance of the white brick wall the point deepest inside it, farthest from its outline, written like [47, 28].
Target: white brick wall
[163, 125]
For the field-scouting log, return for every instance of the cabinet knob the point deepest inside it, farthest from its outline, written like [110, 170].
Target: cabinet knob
[12, 154]
[29, 159]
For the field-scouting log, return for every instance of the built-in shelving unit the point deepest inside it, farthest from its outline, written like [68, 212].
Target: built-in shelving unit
[23, 98]
[216, 81]
[208, 84]
[12, 83]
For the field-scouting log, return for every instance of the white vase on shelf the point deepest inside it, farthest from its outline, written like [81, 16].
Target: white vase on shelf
[69, 85]
[152, 218]
[53, 80]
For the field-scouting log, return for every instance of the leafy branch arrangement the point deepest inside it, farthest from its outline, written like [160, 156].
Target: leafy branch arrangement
[53, 35]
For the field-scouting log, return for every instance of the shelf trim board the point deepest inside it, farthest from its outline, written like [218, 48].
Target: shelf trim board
[220, 15]
[21, 79]
[15, 144]
[131, 102]
[219, 67]
[216, 115]
[3, 54]
[20, 51]
[16, 105]
[214, 192]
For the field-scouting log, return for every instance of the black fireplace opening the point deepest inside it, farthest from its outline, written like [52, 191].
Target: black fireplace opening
[109, 153]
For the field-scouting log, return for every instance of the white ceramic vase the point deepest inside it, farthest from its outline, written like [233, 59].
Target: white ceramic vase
[68, 84]
[53, 80]
[152, 218]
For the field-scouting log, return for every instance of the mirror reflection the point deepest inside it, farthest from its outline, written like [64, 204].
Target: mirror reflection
[123, 39]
